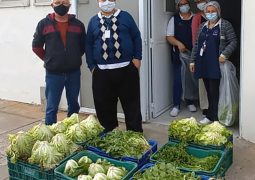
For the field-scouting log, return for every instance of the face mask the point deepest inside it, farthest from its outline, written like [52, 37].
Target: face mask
[212, 16]
[107, 6]
[201, 6]
[184, 8]
[61, 9]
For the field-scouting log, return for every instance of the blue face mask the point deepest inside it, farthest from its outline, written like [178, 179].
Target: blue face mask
[184, 8]
[212, 16]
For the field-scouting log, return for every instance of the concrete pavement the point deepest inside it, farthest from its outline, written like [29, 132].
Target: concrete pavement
[16, 116]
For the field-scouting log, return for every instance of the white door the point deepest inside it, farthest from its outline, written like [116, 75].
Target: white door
[160, 58]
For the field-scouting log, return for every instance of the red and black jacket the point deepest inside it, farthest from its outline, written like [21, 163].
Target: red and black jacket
[48, 45]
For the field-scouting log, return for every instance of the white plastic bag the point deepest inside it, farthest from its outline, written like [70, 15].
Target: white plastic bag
[203, 100]
[189, 83]
[229, 95]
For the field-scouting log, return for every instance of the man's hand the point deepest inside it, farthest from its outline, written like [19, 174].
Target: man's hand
[222, 59]
[137, 63]
[192, 67]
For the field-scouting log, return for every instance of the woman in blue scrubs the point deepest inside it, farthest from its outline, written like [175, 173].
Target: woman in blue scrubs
[215, 43]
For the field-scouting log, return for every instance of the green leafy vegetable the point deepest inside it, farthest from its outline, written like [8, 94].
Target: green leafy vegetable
[100, 176]
[122, 143]
[63, 144]
[210, 138]
[217, 128]
[95, 168]
[58, 127]
[84, 177]
[179, 156]
[73, 119]
[77, 133]
[92, 126]
[45, 155]
[184, 129]
[115, 173]
[20, 147]
[164, 171]
[41, 132]
[72, 168]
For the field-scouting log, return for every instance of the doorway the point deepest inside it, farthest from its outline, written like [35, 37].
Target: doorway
[160, 70]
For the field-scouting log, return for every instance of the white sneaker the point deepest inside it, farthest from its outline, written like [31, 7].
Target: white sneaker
[192, 108]
[175, 111]
[205, 121]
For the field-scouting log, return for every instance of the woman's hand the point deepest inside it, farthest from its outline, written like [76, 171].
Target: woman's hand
[222, 59]
[192, 67]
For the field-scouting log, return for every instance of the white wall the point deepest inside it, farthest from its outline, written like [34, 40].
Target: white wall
[247, 116]
[21, 71]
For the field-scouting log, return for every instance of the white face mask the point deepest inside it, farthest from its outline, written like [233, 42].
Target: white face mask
[201, 6]
[107, 6]
[184, 8]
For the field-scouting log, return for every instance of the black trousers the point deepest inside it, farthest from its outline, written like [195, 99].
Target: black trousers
[212, 89]
[109, 86]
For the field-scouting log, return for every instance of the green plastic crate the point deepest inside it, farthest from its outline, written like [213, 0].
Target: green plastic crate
[130, 166]
[227, 162]
[200, 153]
[25, 171]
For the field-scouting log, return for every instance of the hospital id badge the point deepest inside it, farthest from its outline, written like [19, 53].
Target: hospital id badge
[201, 52]
[107, 34]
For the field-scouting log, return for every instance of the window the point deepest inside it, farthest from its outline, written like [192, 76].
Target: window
[170, 6]
[83, 1]
[42, 2]
[14, 3]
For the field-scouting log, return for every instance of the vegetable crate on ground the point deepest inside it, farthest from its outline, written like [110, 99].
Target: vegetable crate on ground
[193, 144]
[149, 165]
[228, 158]
[25, 171]
[199, 153]
[143, 160]
[129, 166]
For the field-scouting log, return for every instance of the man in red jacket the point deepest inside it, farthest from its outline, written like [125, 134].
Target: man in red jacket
[59, 41]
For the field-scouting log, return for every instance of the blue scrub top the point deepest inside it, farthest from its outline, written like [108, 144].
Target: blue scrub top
[207, 63]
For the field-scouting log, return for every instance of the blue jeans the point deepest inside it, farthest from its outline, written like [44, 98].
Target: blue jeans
[55, 84]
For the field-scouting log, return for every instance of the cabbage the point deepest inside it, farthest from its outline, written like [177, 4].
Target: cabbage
[20, 147]
[115, 173]
[92, 125]
[95, 168]
[41, 132]
[104, 163]
[77, 133]
[184, 129]
[218, 128]
[45, 155]
[73, 119]
[85, 162]
[72, 168]
[84, 177]
[100, 176]
[63, 144]
[210, 138]
[58, 127]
